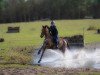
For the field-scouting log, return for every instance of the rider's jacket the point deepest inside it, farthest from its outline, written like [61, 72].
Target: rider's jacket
[53, 31]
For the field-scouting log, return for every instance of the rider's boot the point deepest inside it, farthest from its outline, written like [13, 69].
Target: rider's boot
[56, 46]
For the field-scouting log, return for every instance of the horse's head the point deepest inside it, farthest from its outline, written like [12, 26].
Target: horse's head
[44, 31]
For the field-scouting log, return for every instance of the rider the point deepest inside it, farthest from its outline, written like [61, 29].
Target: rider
[54, 33]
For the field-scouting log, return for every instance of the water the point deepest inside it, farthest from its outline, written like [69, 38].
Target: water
[71, 59]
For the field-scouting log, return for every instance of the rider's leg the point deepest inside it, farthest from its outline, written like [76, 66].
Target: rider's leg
[56, 41]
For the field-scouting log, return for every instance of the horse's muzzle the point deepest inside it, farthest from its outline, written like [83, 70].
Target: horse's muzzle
[41, 36]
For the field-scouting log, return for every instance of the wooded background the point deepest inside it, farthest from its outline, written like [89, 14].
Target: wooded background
[30, 10]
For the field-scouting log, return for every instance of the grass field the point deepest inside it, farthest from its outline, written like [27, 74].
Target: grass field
[30, 31]
[20, 45]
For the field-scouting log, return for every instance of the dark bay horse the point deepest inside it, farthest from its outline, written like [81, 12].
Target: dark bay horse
[48, 43]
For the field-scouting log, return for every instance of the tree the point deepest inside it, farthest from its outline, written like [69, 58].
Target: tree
[96, 9]
[29, 10]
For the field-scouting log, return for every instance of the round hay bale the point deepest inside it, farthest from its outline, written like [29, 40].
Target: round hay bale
[1, 39]
[98, 31]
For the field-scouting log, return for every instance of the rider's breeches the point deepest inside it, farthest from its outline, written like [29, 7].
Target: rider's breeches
[55, 40]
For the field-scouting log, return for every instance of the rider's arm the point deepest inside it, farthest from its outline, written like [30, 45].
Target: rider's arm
[50, 31]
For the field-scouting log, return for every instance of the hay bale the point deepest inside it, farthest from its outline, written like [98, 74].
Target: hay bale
[1, 39]
[98, 31]
[91, 28]
[13, 30]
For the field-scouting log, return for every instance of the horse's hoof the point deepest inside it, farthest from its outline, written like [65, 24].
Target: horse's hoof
[38, 62]
[38, 53]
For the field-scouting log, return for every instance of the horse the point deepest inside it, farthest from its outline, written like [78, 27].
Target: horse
[48, 43]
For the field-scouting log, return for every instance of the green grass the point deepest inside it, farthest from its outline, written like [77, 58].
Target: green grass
[30, 31]
[30, 35]
[89, 73]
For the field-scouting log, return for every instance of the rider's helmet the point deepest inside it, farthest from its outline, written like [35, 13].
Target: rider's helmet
[52, 23]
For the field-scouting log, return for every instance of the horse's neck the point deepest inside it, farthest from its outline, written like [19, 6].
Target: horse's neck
[47, 35]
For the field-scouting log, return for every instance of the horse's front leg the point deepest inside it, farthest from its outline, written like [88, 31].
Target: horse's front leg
[44, 47]
[40, 50]
[41, 56]
[43, 50]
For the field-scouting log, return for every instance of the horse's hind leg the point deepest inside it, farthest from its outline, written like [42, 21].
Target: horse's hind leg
[64, 47]
[68, 46]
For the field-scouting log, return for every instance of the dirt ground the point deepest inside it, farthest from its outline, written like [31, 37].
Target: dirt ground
[46, 71]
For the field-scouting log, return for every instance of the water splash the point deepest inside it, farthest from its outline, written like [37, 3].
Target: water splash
[71, 59]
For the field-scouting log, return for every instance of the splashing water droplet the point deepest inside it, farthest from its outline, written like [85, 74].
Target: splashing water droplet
[70, 59]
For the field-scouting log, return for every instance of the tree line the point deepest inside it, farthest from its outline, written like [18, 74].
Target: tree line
[30, 10]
